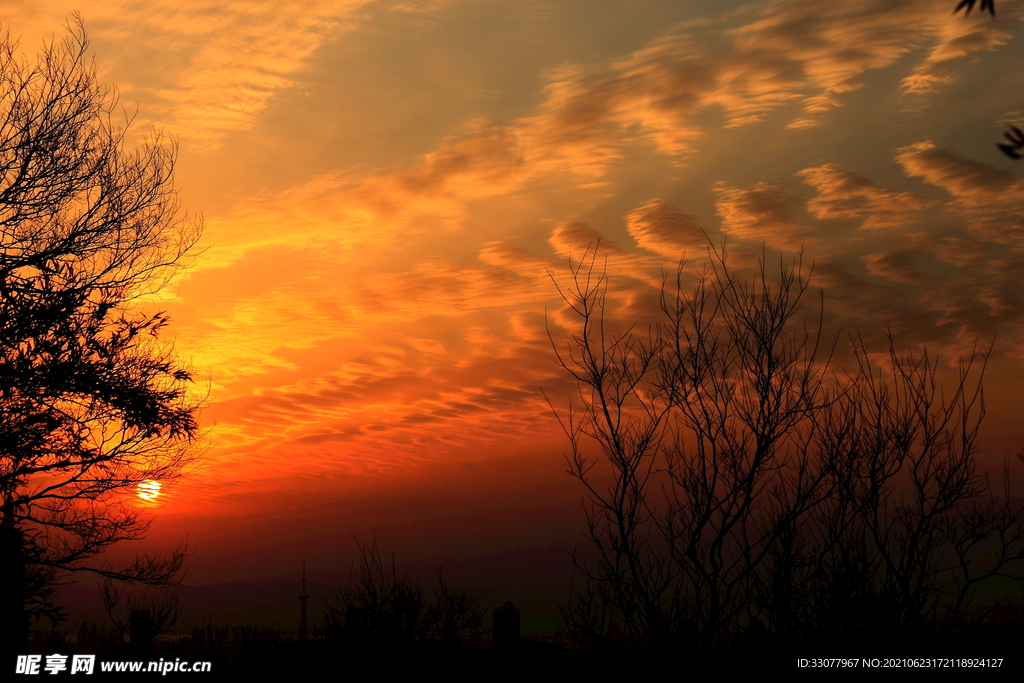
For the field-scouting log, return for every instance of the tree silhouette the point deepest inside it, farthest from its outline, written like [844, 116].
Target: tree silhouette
[144, 614]
[1015, 136]
[736, 479]
[380, 609]
[90, 404]
[455, 610]
[968, 5]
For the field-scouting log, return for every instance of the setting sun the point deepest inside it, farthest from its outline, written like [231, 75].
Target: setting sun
[148, 490]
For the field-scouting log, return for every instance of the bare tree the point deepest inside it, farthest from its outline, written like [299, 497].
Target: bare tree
[744, 478]
[620, 409]
[143, 613]
[453, 612]
[932, 526]
[717, 392]
[908, 528]
[379, 606]
[744, 382]
[382, 609]
[90, 404]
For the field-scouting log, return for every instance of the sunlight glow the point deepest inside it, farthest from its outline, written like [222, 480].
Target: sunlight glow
[148, 490]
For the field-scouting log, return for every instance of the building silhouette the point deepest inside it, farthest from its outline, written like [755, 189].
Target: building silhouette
[505, 626]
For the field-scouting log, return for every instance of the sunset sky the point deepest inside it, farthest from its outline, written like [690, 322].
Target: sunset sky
[387, 184]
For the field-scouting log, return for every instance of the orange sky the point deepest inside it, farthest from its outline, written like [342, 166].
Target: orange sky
[386, 184]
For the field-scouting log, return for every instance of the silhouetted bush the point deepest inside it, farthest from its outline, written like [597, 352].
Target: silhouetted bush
[382, 610]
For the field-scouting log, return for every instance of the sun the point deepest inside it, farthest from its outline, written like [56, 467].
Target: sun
[148, 490]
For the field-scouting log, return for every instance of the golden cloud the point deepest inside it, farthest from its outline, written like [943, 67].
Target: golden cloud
[843, 194]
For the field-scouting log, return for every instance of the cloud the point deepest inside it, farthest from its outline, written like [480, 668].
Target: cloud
[967, 181]
[342, 304]
[843, 194]
[415, 327]
[433, 194]
[378, 416]
[577, 238]
[956, 39]
[203, 68]
[946, 273]
[989, 200]
[896, 266]
[797, 54]
[762, 214]
[233, 58]
[661, 228]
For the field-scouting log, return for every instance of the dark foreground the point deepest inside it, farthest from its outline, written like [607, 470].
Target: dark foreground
[266, 654]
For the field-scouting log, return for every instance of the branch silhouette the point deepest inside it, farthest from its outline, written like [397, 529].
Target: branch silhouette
[737, 482]
[91, 404]
[1015, 136]
[968, 5]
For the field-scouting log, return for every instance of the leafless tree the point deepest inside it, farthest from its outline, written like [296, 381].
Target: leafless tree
[382, 609]
[143, 613]
[90, 404]
[742, 477]
[744, 383]
[621, 410]
[453, 611]
[909, 527]
[717, 392]
[379, 606]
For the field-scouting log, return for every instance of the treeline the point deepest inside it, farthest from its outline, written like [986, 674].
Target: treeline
[381, 620]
